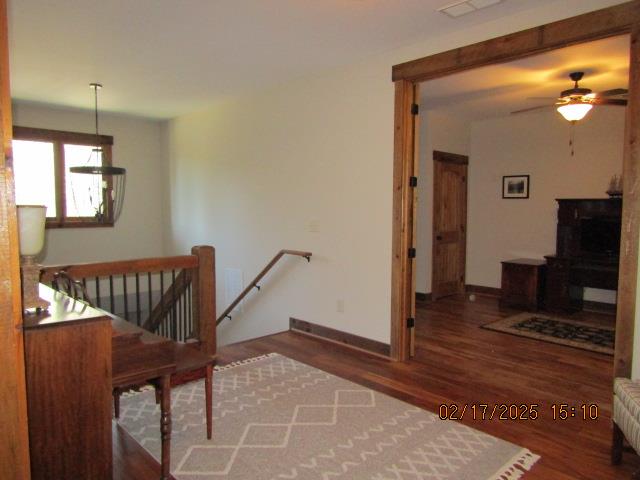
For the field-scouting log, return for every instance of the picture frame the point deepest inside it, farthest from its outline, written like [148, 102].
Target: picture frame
[515, 186]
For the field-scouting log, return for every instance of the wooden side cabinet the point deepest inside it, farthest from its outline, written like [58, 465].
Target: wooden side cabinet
[560, 294]
[68, 376]
[523, 281]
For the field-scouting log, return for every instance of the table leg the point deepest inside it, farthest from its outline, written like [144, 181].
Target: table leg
[116, 402]
[165, 425]
[208, 391]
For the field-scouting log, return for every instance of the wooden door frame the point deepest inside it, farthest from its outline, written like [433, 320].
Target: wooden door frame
[454, 159]
[14, 441]
[599, 24]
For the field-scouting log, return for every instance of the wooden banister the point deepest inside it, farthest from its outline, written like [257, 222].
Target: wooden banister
[204, 298]
[191, 293]
[263, 272]
[121, 267]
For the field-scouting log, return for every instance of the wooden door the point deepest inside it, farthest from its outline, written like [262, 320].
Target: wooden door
[449, 224]
[14, 442]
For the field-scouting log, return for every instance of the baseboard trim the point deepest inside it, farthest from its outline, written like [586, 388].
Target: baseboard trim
[349, 340]
[479, 289]
[600, 307]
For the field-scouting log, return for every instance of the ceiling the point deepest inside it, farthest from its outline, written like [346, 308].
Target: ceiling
[162, 58]
[497, 90]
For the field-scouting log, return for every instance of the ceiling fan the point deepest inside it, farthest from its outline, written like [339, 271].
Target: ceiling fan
[574, 103]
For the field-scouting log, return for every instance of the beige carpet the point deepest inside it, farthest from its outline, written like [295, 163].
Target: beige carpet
[560, 330]
[275, 418]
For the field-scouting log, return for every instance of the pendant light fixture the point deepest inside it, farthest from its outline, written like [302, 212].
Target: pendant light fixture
[109, 182]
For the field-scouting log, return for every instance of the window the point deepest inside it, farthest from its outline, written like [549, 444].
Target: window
[41, 163]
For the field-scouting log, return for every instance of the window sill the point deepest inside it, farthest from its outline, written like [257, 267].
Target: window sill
[54, 224]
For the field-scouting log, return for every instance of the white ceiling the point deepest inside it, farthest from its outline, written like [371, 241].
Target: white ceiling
[162, 58]
[497, 90]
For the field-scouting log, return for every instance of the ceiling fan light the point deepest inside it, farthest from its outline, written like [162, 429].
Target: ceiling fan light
[574, 111]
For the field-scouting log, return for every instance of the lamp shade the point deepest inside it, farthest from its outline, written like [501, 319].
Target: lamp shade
[31, 221]
[574, 111]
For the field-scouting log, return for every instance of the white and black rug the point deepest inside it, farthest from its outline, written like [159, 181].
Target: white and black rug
[573, 333]
[275, 418]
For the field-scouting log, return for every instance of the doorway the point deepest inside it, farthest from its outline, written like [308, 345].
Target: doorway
[449, 224]
[619, 19]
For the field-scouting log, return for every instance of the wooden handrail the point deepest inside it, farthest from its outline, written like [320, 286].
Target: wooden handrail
[121, 267]
[263, 272]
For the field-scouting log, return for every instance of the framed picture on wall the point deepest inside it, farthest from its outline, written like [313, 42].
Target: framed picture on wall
[515, 186]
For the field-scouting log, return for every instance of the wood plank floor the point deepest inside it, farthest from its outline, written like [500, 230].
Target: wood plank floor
[130, 460]
[458, 362]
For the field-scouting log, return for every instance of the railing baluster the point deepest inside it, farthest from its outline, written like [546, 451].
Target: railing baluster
[184, 316]
[113, 310]
[162, 313]
[179, 324]
[98, 292]
[174, 320]
[190, 313]
[126, 299]
[137, 299]
[149, 293]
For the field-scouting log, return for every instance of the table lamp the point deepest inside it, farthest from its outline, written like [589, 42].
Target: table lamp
[31, 221]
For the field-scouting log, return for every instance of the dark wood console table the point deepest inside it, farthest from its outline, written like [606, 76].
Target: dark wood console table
[578, 261]
[74, 356]
[68, 377]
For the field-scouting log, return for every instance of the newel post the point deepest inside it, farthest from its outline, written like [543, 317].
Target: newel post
[204, 298]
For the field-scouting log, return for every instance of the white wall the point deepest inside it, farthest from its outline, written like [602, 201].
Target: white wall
[256, 175]
[251, 174]
[535, 144]
[446, 133]
[137, 147]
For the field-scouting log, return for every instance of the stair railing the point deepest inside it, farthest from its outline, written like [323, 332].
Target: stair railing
[254, 283]
[171, 296]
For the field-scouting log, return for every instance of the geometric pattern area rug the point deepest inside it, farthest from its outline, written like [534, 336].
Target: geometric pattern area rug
[276, 419]
[573, 333]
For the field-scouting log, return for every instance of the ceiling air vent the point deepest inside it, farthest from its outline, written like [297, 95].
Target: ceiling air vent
[467, 6]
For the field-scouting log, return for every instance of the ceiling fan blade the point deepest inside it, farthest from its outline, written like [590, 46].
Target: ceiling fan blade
[539, 107]
[610, 101]
[612, 93]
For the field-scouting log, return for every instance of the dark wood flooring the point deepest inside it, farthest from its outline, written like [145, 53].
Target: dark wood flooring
[130, 460]
[458, 362]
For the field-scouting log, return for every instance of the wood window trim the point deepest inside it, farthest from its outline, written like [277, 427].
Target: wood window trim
[616, 20]
[59, 138]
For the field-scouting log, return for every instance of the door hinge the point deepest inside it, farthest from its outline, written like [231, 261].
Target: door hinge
[412, 252]
[413, 181]
[411, 322]
[415, 109]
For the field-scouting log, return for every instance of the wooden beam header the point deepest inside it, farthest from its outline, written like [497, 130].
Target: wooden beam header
[608, 22]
